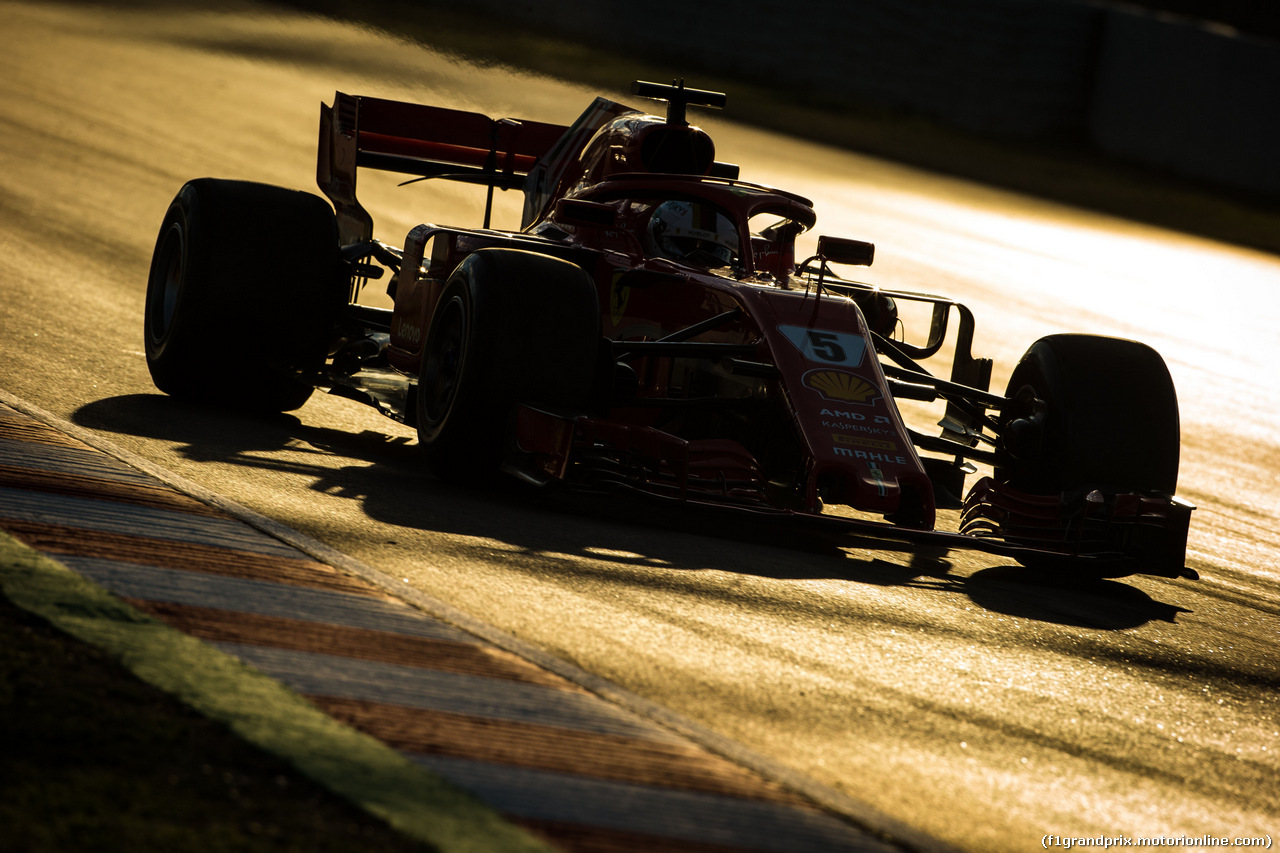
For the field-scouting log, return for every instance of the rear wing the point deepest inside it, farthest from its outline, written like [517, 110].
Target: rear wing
[427, 142]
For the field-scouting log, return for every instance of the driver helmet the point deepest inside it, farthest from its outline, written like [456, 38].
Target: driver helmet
[693, 233]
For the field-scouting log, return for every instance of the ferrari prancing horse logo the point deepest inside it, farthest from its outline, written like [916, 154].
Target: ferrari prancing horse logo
[619, 294]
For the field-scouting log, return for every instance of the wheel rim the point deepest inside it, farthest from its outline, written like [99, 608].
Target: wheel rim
[443, 363]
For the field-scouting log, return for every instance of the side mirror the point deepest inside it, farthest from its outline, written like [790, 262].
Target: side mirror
[840, 250]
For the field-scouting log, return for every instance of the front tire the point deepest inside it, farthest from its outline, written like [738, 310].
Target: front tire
[1109, 418]
[1092, 413]
[245, 285]
[511, 327]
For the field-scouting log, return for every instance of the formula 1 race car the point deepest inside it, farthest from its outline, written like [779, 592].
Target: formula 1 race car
[650, 328]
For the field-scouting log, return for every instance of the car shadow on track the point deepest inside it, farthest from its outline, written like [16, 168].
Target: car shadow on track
[391, 485]
[1075, 602]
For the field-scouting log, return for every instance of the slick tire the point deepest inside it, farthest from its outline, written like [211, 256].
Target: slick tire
[245, 285]
[511, 327]
[1110, 419]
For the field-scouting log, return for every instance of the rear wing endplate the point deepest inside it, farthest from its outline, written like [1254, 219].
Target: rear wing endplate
[427, 142]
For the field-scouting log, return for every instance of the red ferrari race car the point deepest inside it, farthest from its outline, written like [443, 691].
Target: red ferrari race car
[650, 328]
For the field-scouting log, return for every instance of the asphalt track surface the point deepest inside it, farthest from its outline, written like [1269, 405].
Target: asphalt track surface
[948, 692]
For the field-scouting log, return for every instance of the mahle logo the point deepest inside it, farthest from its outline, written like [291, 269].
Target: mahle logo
[838, 385]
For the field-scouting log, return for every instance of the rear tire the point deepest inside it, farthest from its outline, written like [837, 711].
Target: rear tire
[245, 285]
[511, 327]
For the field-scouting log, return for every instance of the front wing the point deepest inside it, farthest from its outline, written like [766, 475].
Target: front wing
[1093, 533]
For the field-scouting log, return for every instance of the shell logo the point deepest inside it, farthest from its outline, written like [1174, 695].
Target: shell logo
[838, 385]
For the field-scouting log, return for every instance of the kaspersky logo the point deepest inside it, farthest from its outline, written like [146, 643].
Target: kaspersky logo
[840, 386]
